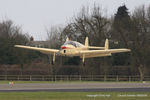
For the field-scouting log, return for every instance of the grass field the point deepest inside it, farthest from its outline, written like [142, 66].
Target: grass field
[70, 95]
[74, 96]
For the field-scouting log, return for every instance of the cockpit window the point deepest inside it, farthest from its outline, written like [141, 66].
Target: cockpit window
[74, 43]
[70, 43]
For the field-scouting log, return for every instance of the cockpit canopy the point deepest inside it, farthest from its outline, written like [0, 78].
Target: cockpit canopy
[74, 43]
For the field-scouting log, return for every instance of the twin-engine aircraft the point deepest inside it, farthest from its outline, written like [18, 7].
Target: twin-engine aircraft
[74, 48]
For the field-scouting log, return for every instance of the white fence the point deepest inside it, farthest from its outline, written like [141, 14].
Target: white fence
[72, 78]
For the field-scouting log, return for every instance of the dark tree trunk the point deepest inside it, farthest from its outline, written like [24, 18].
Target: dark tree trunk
[141, 71]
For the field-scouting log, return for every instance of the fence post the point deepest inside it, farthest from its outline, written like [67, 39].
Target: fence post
[117, 78]
[61, 78]
[91, 77]
[55, 78]
[30, 78]
[6, 77]
[67, 77]
[80, 78]
[43, 78]
[105, 78]
[129, 78]
[18, 78]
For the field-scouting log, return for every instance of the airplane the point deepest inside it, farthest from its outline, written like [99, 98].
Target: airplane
[74, 48]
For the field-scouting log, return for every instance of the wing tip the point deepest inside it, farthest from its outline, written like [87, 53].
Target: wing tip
[128, 50]
[16, 45]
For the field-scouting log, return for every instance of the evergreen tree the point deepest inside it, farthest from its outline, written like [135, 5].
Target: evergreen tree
[121, 25]
[120, 30]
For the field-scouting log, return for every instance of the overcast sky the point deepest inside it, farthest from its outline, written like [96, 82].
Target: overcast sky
[36, 15]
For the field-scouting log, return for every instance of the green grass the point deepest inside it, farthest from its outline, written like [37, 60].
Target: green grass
[74, 95]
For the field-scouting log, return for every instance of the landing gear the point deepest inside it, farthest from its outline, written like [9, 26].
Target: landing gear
[83, 61]
[53, 60]
[64, 51]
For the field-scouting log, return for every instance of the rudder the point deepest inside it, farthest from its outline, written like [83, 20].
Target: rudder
[86, 41]
[106, 44]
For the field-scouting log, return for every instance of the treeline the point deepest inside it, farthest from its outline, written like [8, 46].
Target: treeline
[10, 35]
[124, 30]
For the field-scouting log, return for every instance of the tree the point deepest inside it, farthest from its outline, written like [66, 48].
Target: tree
[132, 32]
[121, 26]
[89, 23]
[11, 35]
[93, 24]
[140, 40]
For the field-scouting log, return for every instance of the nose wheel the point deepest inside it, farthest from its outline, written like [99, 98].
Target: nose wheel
[64, 51]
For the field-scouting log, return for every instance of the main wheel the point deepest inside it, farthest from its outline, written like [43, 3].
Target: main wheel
[52, 62]
[83, 63]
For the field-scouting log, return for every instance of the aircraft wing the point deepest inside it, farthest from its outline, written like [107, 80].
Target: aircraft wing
[97, 53]
[94, 47]
[42, 50]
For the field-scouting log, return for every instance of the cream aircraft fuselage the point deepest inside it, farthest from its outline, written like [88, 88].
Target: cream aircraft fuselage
[74, 48]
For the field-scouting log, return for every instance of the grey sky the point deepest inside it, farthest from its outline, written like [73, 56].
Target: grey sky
[36, 15]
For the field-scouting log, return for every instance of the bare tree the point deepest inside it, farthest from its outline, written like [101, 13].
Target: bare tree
[54, 36]
[93, 24]
[140, 39]
[132, 31]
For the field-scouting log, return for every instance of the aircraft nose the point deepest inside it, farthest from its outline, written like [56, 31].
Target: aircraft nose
[63, 47]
